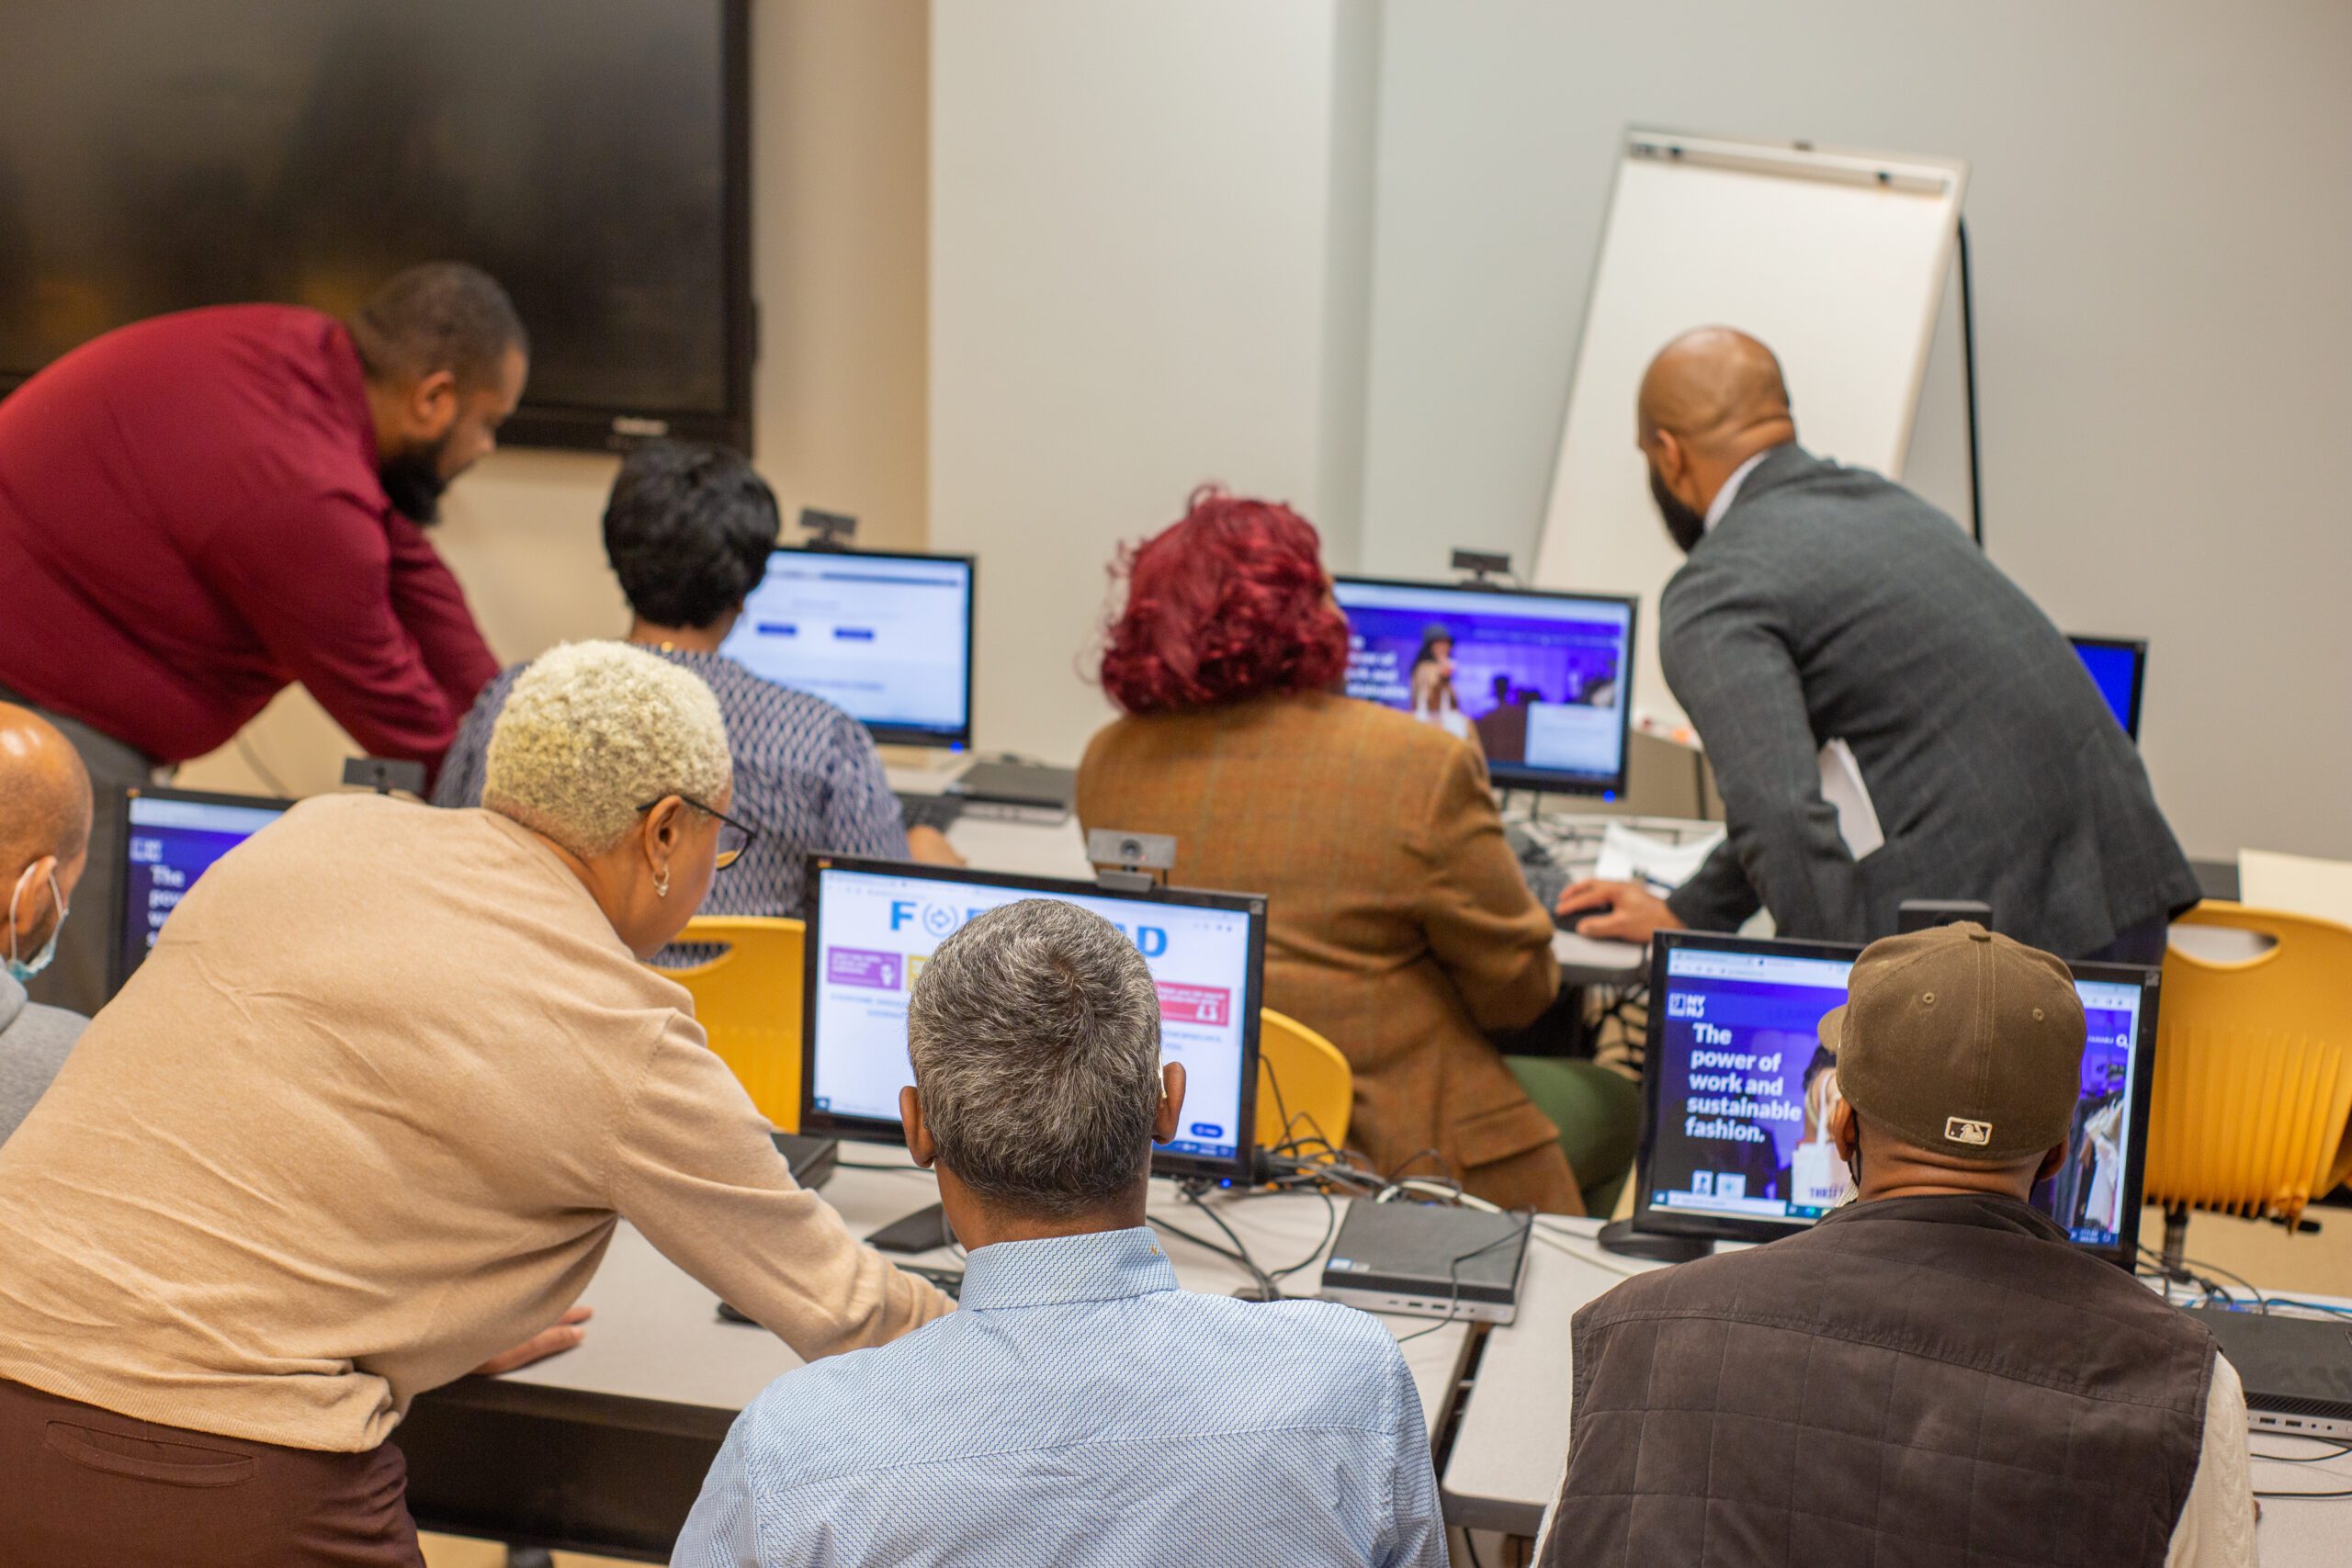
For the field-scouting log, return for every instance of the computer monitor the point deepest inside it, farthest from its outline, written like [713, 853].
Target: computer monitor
[1740, 1091]
[1541, 680]
[873, 924]
[888, 638]
[171, 837]
[2118, 666]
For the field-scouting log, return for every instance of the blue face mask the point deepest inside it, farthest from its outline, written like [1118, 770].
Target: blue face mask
[24, 969]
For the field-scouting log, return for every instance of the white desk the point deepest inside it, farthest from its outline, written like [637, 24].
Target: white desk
[656, 1333]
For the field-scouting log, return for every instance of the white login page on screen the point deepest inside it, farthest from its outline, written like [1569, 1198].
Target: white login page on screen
[875, 932]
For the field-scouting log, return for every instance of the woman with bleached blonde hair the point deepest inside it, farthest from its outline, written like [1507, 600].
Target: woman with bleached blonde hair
[364, 1120]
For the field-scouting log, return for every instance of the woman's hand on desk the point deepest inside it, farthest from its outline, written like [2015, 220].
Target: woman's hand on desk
[930, 846]
[563, 1334]
[1614, 911]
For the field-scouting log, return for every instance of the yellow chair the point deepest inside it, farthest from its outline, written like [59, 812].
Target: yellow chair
[1300, 1075]
[2254, 1069]
[748, 1000]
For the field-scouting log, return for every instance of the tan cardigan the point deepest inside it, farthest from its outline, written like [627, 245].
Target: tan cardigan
[364, 1119]
[1399, 925]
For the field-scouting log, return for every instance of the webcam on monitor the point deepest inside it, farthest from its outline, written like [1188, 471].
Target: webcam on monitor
[1482, 564]
[827, 530]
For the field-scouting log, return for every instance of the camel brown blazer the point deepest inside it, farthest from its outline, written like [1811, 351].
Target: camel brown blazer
[1398, 924]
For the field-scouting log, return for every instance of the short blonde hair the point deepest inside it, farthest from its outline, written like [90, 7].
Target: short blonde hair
[593, 730]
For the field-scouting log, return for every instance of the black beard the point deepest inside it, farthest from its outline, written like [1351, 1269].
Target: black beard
[1685, 526]
[413, 482]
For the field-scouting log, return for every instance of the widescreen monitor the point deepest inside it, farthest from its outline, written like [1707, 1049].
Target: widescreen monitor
[887, 638]
[2118, 667]
[1736, 1141]
[874, 924]
[170, 838]
[593, 155]
[1539, 681]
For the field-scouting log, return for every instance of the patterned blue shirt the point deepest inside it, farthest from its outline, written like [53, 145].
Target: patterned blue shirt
[1079, 1408]
[805, 775]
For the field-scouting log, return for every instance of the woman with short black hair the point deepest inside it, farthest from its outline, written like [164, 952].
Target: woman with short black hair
[688, 530]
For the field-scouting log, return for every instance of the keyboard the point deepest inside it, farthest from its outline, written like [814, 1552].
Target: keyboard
[939, 811]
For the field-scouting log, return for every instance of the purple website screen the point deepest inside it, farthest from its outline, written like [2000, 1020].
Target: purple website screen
[876, 930]
[1746, 1091]
[1535, 682]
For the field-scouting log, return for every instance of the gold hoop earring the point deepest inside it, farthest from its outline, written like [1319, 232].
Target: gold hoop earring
[662, 882]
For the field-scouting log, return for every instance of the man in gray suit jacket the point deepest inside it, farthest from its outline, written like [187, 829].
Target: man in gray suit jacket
[1824, 604]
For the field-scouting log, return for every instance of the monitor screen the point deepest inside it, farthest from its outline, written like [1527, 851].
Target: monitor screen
[1538, 682]
[2116, 666]
[1740, 1093]
[873, 924]
[888, 638]
[593, 155]
[170, 838]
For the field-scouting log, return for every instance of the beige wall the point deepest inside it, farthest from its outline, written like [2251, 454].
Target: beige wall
[839, 143]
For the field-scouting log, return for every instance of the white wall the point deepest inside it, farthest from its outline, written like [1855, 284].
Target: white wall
[2161, 218]
[839, 141]
[1144, 242]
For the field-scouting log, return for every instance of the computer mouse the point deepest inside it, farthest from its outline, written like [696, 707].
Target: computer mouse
[1575, 923]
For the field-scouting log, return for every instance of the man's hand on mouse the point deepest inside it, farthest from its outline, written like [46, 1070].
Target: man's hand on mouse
[1629, 911]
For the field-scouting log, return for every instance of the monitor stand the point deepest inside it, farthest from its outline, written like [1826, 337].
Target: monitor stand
[921, 1231]
[1621, 1237]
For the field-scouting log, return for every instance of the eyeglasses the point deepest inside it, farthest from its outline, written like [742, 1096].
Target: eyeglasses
[734, 837]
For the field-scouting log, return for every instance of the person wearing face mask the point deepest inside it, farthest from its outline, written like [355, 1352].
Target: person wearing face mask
[365, 1120]
[198, 509]
[44, 846]
[1822, 603]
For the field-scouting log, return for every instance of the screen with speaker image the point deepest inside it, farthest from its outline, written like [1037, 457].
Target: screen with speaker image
[1537, 681]
[874, 924]
[1741, 1090]
[886, 637]
[169, 839]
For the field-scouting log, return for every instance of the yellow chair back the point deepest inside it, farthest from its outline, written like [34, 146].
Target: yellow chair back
[1302, 1075]
[747, 1001]
[2254, 1068]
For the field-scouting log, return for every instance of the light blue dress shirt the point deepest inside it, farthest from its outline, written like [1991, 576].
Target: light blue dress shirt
[1079, 1408]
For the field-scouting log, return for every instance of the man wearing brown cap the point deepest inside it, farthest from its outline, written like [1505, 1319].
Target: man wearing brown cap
[1930, 1374]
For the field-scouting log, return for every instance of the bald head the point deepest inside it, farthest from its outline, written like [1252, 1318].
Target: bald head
[1719, 391]
[48, 796]
[1712, 399]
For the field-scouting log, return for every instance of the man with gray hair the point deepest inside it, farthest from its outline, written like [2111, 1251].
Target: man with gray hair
[1080, 1406]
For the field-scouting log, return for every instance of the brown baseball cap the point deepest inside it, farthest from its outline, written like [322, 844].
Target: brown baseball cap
[1962, 1042]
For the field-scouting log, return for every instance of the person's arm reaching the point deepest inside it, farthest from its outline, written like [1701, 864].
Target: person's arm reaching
[1729, 665]
[1483, 924]
[692, 1166]
[862, 817]
[428, 602]
[1718, 898]
[313, 583]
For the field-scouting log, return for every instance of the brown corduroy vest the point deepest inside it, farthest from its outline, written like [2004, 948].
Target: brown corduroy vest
[1923, 1380]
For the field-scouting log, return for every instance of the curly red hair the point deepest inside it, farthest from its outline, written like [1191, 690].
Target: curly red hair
[1230, 603]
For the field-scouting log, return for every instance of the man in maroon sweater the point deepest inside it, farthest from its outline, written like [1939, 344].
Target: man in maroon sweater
[198, 510]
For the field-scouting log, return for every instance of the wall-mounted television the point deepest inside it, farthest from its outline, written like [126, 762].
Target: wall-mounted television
[593, 155]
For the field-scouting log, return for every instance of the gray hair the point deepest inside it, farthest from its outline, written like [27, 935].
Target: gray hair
[1034, 1033]
[593, 730]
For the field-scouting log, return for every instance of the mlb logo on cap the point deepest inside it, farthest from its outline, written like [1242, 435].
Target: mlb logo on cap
[1960, 1130]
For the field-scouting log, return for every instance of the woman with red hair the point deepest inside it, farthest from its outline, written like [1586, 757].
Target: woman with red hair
[1399, 926]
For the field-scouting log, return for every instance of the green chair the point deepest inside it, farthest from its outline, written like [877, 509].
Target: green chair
[1599, 1116]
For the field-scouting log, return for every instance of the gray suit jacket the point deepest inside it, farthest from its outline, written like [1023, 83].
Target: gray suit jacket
[1830, 604]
